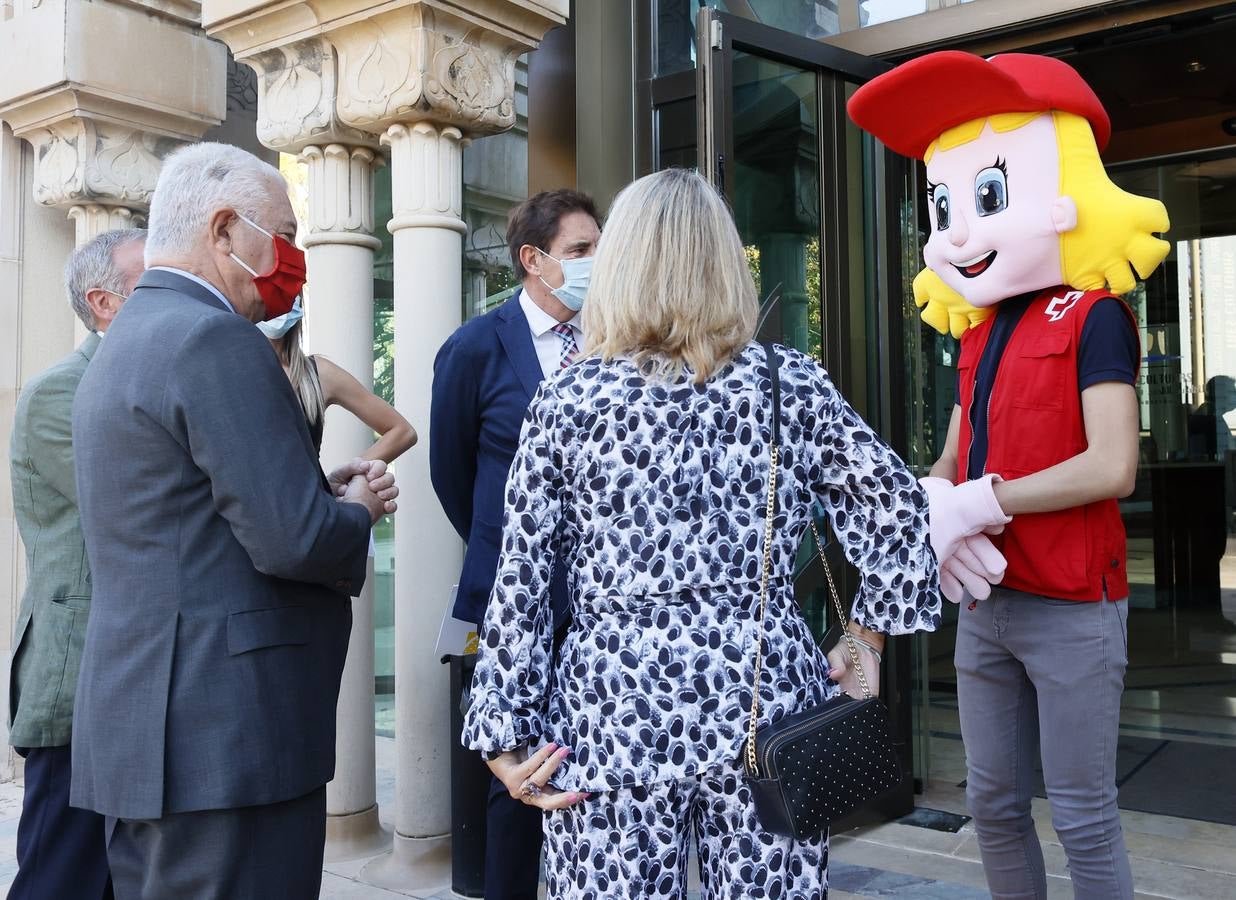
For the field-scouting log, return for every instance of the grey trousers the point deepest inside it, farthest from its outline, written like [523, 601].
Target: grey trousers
[1042, 676]
[271, 852]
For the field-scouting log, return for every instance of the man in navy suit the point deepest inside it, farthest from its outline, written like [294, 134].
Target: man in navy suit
[484, 377]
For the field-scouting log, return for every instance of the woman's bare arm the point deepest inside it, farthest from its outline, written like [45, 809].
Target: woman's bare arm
[340, 388]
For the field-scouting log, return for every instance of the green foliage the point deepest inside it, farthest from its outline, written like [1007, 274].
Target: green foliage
[384, 348]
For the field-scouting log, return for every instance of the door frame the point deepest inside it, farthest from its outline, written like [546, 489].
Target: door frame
[835, 70]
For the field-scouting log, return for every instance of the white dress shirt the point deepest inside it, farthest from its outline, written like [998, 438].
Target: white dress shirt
[548, 345]
[200, 280]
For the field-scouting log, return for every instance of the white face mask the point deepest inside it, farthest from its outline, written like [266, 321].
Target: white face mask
[576, 274]
[280, 325]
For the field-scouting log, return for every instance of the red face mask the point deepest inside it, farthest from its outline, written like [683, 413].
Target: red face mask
[279, 287]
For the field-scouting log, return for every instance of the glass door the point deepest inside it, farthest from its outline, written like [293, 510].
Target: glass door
[817, 207]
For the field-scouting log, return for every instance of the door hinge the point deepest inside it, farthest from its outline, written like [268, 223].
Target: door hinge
[716, 34]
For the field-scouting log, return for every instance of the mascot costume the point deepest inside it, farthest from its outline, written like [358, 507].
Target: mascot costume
[1031, 245]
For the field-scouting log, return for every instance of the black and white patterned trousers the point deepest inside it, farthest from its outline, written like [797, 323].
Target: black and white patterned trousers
[634, 843]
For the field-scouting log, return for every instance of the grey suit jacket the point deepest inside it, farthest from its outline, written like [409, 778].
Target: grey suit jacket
[51, 624]
[222, 568]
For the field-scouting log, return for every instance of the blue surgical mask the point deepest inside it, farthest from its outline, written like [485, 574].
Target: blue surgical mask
[576, 273]
[280, 325]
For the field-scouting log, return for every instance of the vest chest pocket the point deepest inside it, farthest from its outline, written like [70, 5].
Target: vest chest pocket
[1043, 368]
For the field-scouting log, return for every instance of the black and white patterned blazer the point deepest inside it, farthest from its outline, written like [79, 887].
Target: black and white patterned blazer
[654, 495]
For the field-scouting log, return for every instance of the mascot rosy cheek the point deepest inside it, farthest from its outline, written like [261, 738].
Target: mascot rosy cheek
[1019, 199]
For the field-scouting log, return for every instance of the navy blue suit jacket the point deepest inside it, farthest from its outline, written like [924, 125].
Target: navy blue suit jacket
[483, 379]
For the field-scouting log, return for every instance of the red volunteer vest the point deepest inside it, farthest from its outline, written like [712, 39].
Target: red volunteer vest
[1034, 421]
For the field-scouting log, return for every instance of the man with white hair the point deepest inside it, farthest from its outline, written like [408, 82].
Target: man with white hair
[223, 562]
[61, 853]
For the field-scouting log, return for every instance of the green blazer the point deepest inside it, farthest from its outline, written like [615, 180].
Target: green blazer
[51, 626]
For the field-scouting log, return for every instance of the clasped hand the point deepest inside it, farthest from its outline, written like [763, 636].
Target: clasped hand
[961, 517]
[367, 482]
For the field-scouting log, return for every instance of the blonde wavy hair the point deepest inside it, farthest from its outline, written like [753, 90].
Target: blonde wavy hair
[1115, 233]
[670, 286]
[301, 372]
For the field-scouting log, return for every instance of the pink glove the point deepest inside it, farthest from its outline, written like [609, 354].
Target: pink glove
[958, 511]
[975, 566]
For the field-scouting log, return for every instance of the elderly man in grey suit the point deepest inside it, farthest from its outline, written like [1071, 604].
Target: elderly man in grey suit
[223, 562]
[61, 854]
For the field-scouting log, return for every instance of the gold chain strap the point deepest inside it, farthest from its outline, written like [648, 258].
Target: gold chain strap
[850, 643]
[753, 766]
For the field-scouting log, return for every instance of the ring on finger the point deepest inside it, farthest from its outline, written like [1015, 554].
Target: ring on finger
[529, 790]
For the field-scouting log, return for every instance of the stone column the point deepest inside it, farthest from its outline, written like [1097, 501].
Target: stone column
[101, 174]
[339, 248]
[427, 195]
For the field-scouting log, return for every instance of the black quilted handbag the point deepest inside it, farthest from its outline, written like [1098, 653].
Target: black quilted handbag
[816, 766]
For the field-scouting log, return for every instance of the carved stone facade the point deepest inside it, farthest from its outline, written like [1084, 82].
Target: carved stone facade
[80, 161]
[426, 65]
[99, 134]
[349, 77]
[298, 97]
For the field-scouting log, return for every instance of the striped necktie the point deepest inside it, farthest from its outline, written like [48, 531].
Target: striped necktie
[569, 348]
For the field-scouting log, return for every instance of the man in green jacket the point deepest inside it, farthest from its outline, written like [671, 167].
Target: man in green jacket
[61, 851]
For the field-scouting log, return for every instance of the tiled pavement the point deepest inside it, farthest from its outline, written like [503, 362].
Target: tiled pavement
[1176, 858]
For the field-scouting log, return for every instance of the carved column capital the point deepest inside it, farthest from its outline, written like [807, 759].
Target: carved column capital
[298, 93]
[419, 64]
[83, 163]
[91, 219]
[426, 176]
[352, 70]
[341, 195]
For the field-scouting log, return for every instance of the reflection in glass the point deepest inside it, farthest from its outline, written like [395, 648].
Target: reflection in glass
[777, 193]
[1182, 558]
[675, 24]
[776, 203]
[675, 137]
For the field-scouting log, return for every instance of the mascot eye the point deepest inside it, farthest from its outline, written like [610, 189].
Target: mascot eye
[939, 197]
[991, 191]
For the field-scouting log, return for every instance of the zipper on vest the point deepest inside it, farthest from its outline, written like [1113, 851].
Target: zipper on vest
[986, 421]
[987, 416]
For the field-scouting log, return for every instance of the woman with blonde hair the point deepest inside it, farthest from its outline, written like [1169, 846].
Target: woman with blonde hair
[320, 384]
[645, 467]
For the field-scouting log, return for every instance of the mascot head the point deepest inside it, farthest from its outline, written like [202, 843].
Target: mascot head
[1018, 197]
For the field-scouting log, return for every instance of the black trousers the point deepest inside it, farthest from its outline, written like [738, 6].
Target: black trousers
[513, 831]
[271, 852]
[61, 852]
[513, 837]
